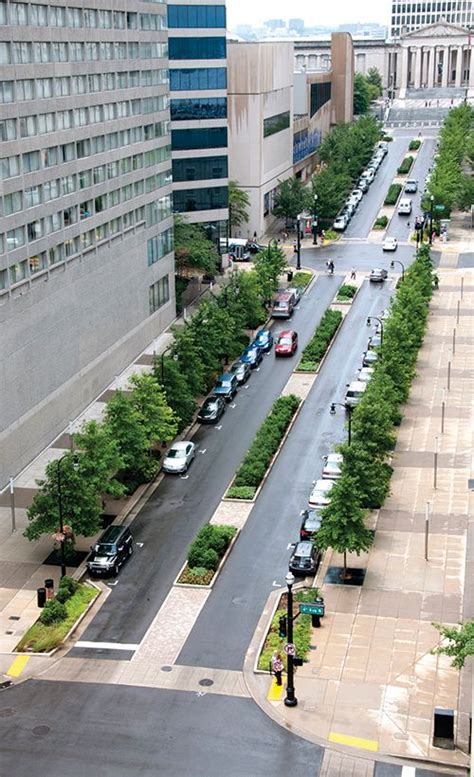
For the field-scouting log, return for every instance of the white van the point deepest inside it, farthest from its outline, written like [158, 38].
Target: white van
[354, 393]
[404, 206]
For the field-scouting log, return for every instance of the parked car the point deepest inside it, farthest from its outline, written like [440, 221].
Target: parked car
[370, 357]
[283, 305]
[226, 386]
[253, 356]
[354, 393]
[356, 194]
[310, 523]
[297, 292]
[378, 275]
[340, 223]
[179, 457]
[110, 551]
[332, 466]
[363, 185]
[374, 342]
[368, 175]
[304, 559]
[411, 186]
[319, 496]
[349, 209]
[390, 244]
[211, 410]
[241, 371]
[264, 340]
[286, 343]
[382, 147]
[365, 374]
[404, 206]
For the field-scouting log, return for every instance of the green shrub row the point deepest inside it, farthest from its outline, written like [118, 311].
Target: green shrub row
[258, 457]
[302, 278]
[393, 194]
[209, 546]
[387, 138]
[319, 343]
[406, 165]
[301, 632]
[346, 291]
[414, 145]
[380, 223]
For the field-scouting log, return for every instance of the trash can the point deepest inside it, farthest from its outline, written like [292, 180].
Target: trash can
[289, 276]
[49, 585]
[40, 597]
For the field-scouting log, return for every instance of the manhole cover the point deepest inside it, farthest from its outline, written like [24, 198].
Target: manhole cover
[7, 712]
[206, 681]
[41, 731]
[166, 668]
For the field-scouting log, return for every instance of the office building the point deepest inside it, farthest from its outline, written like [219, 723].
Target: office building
[86, 247]
[407, 17]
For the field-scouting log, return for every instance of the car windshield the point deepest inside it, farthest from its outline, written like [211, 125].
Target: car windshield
[105, 548]
[176, 453]
[284, 341]
[237, 367]
[222, 383]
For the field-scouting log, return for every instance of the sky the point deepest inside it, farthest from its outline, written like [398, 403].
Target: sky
[254, 12]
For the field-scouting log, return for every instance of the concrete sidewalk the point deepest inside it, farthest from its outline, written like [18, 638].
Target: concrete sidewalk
[371, 683]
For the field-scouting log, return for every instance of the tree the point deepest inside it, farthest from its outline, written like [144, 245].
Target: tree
[192, 249]
[374, 78]
[461, 642]
[100, 458]
[244, 300]
[343, 527]
[177, 391]
[290, 199]
[125, 425]
[157, 418]
[80, 500]
[331, 189]
[269, 265]
[372, 476]
[189, 354]
[239, 203]
[361, 94]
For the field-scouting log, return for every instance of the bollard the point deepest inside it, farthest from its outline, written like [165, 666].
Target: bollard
[454, 341]
[427, 529]
[443, 410]
[449, 376]
[435, 466]
[462, 287]
[457, 312]
[41, 597]
[49, 586]
[12, 505]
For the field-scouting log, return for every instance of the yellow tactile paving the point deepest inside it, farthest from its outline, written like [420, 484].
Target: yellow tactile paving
[346, 739]
[18, 666]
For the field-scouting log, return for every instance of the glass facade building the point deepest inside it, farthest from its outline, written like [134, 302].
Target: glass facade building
[407, 17]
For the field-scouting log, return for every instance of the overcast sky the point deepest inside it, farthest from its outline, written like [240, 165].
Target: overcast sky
[256, 11]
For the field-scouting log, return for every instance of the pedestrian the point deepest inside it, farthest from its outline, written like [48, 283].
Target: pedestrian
[255, 235]
[295, 247]
[331, 267]
[284, 235]
[435, 282]
[353, 274]
[277, 667]
[433, 235]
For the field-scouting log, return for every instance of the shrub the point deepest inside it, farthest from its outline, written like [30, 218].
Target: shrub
[301, 278]
[319, 343]
[241, 492]
[210, 559]
[393, 194]
[53, 612]
[387, 138]
[301, 632]
[196, 576]
[69, 584]
[63, 595]
[405, 166]
[209, 545]
[380, 223]
[347, 291]
[414, 145]
[330, 234]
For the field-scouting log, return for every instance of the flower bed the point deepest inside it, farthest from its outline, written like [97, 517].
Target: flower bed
[319, 343]
[406, 165]
[393, 194]
[301, 629]
[206, 553]
[346, 293]
[260, 454]
[380, 223]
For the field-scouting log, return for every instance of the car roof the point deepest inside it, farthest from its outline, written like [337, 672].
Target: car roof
[112, 533]
[226, 376]
[303, 548]
[323, 485]
[180, 446]
[357, 385]
[286, 333]
[337, 457]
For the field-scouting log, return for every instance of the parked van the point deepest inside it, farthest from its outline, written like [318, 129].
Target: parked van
[240, 249]
[404, 207]
[283, 305]
[354, 393]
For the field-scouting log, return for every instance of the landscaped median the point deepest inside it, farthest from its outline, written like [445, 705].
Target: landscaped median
[318, 345]
[206, 555]
[393, 194]
[406, 165]
[346, 294]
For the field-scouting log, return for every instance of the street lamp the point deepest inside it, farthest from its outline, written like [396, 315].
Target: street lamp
[163, 363]
[392, 263]
[374, 318]
[349, 410]
[315, 220]
[431, 219]
[298, 242]
[290, 698]
[60, 510]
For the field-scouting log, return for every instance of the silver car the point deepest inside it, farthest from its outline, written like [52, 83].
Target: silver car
[179, 457]
[332, 466]
[319, 496]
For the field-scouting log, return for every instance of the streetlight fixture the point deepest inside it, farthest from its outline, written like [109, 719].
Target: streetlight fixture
[163, 363]
[374, 318]
[397, 261]
[315, 220]
[298, 242]
[349, 410]
[290, 698]
[431, 219]
[60, 511]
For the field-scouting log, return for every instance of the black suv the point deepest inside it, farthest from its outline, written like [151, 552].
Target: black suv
[304, 559]
[110, 551]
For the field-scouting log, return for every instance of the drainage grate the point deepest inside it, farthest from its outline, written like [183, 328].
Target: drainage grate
[206, 681]
[166, 668]
[41, 731]
[14, 618]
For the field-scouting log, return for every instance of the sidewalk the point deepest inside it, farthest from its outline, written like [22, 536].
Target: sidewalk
[371, 683]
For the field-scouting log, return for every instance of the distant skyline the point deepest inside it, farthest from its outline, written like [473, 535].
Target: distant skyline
[341, 12]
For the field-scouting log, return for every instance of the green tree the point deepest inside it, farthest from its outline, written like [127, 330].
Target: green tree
[343, 528]
[192, 249]
[239, 204]
[100, 458]
[374, 78]
[177, 391]
[157, 418]
[361, 94]
[269, 265]
[125, 425]
[372, 476]
[80, 499]
[331, 189]
[243, 300]
[290, 199]
[460, 642]
[186, 348]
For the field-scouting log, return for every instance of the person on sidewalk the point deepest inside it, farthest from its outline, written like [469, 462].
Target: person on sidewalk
[353, 274]
[277, 667]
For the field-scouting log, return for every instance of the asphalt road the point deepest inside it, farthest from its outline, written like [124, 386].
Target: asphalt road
[402, 226]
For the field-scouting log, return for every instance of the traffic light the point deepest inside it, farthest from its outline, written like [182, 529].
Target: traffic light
[282, 632]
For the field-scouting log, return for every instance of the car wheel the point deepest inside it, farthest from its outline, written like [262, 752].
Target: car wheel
[130, 550]
[116, 569]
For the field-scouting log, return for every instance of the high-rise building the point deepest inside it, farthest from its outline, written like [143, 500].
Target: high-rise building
[86, 248]
[198, 90]
[407, 17]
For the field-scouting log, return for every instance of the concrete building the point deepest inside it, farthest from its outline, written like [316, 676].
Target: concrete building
[315, 55]
[198, 84]
[408, 17]
[86, 248]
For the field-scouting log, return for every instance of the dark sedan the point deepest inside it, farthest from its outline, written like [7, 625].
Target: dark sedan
[241, 371]
[264, 340]
[252, 355]
[211, 410]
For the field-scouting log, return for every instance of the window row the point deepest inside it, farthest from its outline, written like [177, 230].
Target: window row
[200, 199]
[431, 6]
[208, 137]
[200, 169]
[26, 52]
[36, 15]
[42, 88]
[199, 108]
[186, 79]
[159, 294]
[159, 245]
[197, 48]
[277, 123]
[41, 227]
[56, 155]
[199, 16]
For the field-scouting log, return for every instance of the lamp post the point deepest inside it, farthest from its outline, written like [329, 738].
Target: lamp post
[315, 220]
[374, 318]
[431, 219]
[163, 363]
[397, 261]
[290, 698]
[349, 410]
[298, 242]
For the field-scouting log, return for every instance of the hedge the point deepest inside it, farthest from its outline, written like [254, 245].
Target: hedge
[302, 278]
[380, 223]
[209, 546]
[406, 165]
[387, 138]
[393, 194]
[414, 145]
[346, 292]
[319, 343]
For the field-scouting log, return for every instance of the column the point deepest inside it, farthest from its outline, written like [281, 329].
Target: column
[404, 73]
[419, 67]
[428, 76]
[470, 67]
[444, 77]
[459, 55]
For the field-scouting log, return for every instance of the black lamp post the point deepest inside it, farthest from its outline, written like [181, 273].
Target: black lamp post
[298, 243]
[374, 318]
[315, 220]
[396, 261]
[349, 409]
[431, 219]
[290, 698]
[163, 363]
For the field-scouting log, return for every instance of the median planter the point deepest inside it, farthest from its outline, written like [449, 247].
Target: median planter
[406, 165]
[301, 630]
[414, 145]
[315, 351]
[207, 555]
[380, 223]
[346, 294]
[393, 194]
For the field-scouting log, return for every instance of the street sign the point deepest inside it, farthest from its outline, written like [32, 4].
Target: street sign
[312, 608]
[290, 649]
[439, 207]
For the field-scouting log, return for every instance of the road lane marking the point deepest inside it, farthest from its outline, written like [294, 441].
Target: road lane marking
[18, 666]
[345, 739]
[106, 645]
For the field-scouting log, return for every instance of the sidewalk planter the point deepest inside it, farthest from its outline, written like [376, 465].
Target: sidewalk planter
[380, 223]
[318, 345]
[302, 278]
[208, 554]
[301, 629]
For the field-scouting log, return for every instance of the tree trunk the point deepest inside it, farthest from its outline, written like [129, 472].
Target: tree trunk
[345, 566]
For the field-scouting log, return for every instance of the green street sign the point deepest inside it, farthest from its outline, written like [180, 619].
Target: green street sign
[312, 608]
[439, 207]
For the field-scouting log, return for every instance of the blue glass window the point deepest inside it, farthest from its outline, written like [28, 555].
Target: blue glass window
[199, 108]
[185, 16]
[200, 199]
[200, 169]
[208, 137]
[186, 79]
[197, 48]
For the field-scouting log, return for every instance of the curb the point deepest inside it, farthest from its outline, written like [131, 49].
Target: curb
[330, 344]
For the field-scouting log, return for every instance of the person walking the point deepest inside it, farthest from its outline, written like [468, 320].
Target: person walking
[277, 667]
[353, 274]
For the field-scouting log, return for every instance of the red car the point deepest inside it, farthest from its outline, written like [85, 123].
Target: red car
[286, 343]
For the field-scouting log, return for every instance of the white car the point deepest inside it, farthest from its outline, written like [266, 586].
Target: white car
[390, 244]
[319, 496]
[179, 457]
[356, 194]
[340, 223]
[332, 466]
[365, 374]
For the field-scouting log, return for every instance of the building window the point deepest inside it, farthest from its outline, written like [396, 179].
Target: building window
[159, 294]
[320, 94]
[208, 137]
[37, 262]
[199, 169]
[18, 272]
[187, 79]
[200, 108]
[159, 246]
[277, 123]
[12, 203]
[197, 48]
[210, 198]
[6, 91]
[199, 16]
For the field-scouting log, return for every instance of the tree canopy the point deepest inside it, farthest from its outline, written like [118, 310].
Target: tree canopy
[192, 248]
[239, 204]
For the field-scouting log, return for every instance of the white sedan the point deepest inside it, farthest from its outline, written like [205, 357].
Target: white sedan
[332, 466]
[390, 244]
[319, 496]
[179, 457]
